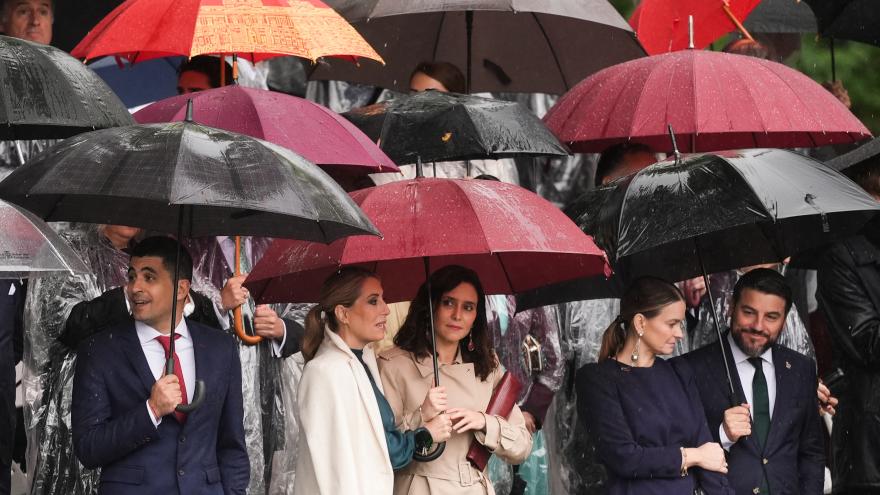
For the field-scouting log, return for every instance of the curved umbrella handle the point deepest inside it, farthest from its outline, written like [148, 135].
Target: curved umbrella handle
[238, 324]
[428, 457]
[198, 398]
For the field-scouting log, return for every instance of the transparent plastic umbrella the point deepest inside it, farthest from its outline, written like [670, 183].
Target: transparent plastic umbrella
[29, 247]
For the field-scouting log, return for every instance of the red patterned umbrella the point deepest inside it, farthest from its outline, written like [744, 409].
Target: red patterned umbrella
[714, 101]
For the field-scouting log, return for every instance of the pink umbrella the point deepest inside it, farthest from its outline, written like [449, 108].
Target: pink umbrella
[310, 130]
[511, 237]
[714, 101]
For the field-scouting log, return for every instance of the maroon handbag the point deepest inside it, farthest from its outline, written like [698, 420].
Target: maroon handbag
[503, 399]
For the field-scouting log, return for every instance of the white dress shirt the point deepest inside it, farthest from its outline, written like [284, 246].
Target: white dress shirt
[155, 354]
[746, 374]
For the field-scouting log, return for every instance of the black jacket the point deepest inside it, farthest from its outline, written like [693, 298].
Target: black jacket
[849, 295]
[11, 308]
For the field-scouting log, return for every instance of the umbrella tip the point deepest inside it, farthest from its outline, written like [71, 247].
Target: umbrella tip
[189, 110]
[674, 143]
[420, 171]
[691, 32]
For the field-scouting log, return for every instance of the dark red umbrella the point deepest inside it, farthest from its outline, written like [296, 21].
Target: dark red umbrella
[662, 25]
[511, 237]
[714, 101]
[312, 131]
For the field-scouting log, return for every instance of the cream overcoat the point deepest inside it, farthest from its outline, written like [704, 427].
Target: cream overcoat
[406, 381]
[342, 446]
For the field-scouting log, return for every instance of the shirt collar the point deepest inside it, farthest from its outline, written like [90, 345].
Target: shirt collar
[147, 333]
[739, 356]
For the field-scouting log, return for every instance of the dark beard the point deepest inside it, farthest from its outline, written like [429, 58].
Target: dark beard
[737, 335]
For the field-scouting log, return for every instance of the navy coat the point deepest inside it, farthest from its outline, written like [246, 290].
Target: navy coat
[113, 430]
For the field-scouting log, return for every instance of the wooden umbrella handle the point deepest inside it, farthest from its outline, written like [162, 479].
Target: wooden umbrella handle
[237, 317]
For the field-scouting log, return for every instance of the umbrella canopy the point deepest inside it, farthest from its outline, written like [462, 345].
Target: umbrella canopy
[865, 155]
[47, 94]
[310, 130]
[255, 29]
[139, 84]
[662, 25]
[781, 16]
[714, 101]
[512, 238]
[433, 126]
[857, 20]
[515, 45]
[29, 247]
[722, 211]
[187, 178]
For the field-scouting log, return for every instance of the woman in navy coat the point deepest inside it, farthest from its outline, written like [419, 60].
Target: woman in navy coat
[644, 413]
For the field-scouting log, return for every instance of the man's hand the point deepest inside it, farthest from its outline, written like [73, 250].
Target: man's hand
[165, 395]
[233, 294]
[267, 324]
[737, 422]
[694, 289]
[531, 424]
[827, 402]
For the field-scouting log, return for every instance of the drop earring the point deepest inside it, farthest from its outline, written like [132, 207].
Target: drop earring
[635, 354]
[471, 347]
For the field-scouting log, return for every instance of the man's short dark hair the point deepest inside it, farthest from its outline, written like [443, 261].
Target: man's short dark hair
[166, 249]
[866, 175]
[765, 281]
[209, 66]
[613, 156]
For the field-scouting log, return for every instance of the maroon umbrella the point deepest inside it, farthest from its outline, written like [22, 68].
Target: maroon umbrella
[512, 238]
[714, 101]
[310, 130]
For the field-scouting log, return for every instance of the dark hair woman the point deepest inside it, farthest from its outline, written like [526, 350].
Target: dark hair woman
[349, 442]
[645, 413]
[469, 372]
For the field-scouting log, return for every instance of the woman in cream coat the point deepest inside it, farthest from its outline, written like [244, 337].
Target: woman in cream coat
[469, 372]
[348, 442]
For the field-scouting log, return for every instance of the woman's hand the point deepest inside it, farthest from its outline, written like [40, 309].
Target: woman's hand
[434, 403]
[440, 428]
[709, 456]
[465, 420]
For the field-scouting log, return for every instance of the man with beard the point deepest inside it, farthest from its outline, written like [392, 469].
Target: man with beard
[771, 429]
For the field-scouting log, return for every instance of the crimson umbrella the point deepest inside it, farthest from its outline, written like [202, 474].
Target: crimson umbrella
[662, 25]
[714, 101]
[317, 134]
[511, 237]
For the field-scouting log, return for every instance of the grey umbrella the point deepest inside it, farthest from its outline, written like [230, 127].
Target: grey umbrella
[781, 16]
[534, 46]
[47, 94]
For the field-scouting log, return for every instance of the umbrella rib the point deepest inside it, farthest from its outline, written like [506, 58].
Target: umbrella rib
[437, 37]
[552, 52]
[506, 274]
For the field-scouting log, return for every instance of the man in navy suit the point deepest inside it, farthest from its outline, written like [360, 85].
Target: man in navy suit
[773, 436]
[123, 410]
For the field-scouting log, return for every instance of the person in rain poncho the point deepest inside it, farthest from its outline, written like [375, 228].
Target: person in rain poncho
[350, 442]
[469, 373]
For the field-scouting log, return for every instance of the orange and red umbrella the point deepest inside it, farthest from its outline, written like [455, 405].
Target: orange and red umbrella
[254, 29]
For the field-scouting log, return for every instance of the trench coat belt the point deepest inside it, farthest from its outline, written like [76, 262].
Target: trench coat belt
[465, 475]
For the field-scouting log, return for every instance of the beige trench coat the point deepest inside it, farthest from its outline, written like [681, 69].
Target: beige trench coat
[406, 382]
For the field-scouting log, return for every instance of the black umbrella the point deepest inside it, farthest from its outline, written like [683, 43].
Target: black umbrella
[432, 126]
[47, 94]
[712, 212]
[867, 154]
[857, 20]
[501, 45]
[186, 178]
[781, 16]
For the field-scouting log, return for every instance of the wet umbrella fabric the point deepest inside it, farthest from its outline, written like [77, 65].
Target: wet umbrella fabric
[140, 30]
[512, 238]
[516, 45]
[216, 182]
[720, 211]
[310, 130]
[47, 94]
[857, 20]
[662, 25]
[433, 126]
[867, 154]
[781, 16]
[29, 247]
[713, 100]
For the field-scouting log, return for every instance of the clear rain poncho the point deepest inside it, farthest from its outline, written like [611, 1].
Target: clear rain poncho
[49, 365]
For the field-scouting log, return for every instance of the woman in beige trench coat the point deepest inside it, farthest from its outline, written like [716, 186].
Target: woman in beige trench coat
[469, 372]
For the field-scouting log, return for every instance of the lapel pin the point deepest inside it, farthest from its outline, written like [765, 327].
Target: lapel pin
[787, 365]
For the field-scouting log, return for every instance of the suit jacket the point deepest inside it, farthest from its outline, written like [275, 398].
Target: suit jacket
[113, 430]
[11, 334]
[794, 457]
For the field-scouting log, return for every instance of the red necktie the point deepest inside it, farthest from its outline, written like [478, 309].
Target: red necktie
[178, 371]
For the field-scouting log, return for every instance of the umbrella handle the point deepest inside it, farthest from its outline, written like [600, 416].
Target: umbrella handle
[198, 398]
[238, 324]
[418, 456]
